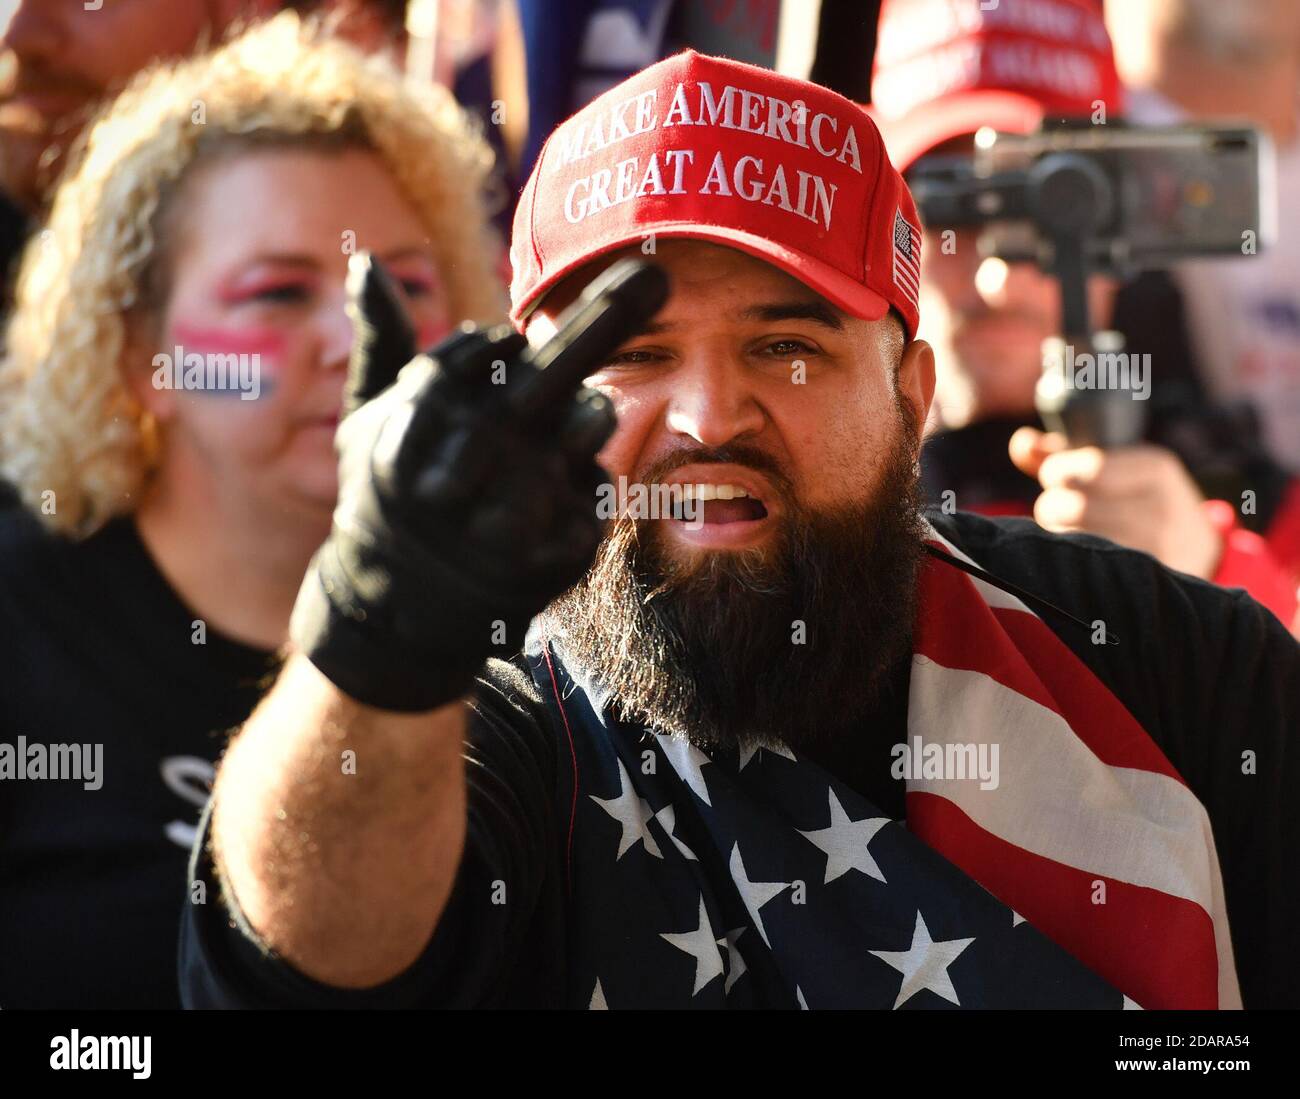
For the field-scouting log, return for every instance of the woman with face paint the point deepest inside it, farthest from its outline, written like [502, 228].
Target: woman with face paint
[167, 412]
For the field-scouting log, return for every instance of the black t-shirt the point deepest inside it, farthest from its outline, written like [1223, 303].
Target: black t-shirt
[1207, 672]
[97, 651]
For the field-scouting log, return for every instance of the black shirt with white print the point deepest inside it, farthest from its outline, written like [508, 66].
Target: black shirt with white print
[113, 683]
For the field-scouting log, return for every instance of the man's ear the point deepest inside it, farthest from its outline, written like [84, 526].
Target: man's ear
[916, 379]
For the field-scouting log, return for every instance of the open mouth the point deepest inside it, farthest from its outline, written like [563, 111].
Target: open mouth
[720, 503]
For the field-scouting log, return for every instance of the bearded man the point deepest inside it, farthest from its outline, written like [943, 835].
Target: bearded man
[793, 743]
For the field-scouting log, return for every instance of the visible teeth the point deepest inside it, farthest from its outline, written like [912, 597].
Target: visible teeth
[713, 492]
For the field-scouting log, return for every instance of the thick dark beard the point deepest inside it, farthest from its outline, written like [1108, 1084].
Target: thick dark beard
[711, 649]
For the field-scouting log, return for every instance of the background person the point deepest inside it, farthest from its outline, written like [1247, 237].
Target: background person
[59, 60]
[987, 319]
[55, 71]
[1202, 61]
[148, 582]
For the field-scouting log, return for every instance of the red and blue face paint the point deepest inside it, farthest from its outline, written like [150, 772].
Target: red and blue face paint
[222, 362]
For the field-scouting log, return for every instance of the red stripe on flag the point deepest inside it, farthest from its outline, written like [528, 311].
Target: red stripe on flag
[1157, 949]
[1097, 717]
[1058, 679]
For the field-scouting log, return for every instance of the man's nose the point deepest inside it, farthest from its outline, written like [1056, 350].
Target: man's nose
[713, 404]
[34, 28]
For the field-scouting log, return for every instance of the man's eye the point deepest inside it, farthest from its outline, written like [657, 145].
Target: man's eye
[632, 358]
[789, 349]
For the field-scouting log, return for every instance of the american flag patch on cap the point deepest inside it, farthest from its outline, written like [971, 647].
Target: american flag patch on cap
[907, 256]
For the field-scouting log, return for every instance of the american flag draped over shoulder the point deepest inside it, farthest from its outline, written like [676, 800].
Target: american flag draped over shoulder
[757, 879]
[1086, 800]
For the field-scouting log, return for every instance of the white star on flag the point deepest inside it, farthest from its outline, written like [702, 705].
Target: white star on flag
[702, 945]
[667, 817]
[687, 761]
[632, 813]
[924, 964]
[754, 894]
[735, 960]
[845, 842]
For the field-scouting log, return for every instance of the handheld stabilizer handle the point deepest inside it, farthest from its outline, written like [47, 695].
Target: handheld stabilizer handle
[466, 491]
[1093, 414]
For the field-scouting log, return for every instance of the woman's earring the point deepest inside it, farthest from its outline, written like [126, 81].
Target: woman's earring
[150, 444]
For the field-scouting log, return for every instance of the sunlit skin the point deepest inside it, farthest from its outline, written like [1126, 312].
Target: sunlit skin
[259, 264]
[716, 368]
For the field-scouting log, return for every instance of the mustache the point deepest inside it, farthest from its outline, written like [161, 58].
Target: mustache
[704, 649]
[737, 454]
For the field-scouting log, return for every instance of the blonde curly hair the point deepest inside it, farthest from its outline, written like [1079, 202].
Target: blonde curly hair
[67, 421]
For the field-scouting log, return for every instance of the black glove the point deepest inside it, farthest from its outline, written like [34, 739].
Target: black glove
[467, 490]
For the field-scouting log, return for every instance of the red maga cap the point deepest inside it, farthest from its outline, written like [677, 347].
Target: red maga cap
[716, 150]
[945, 68]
